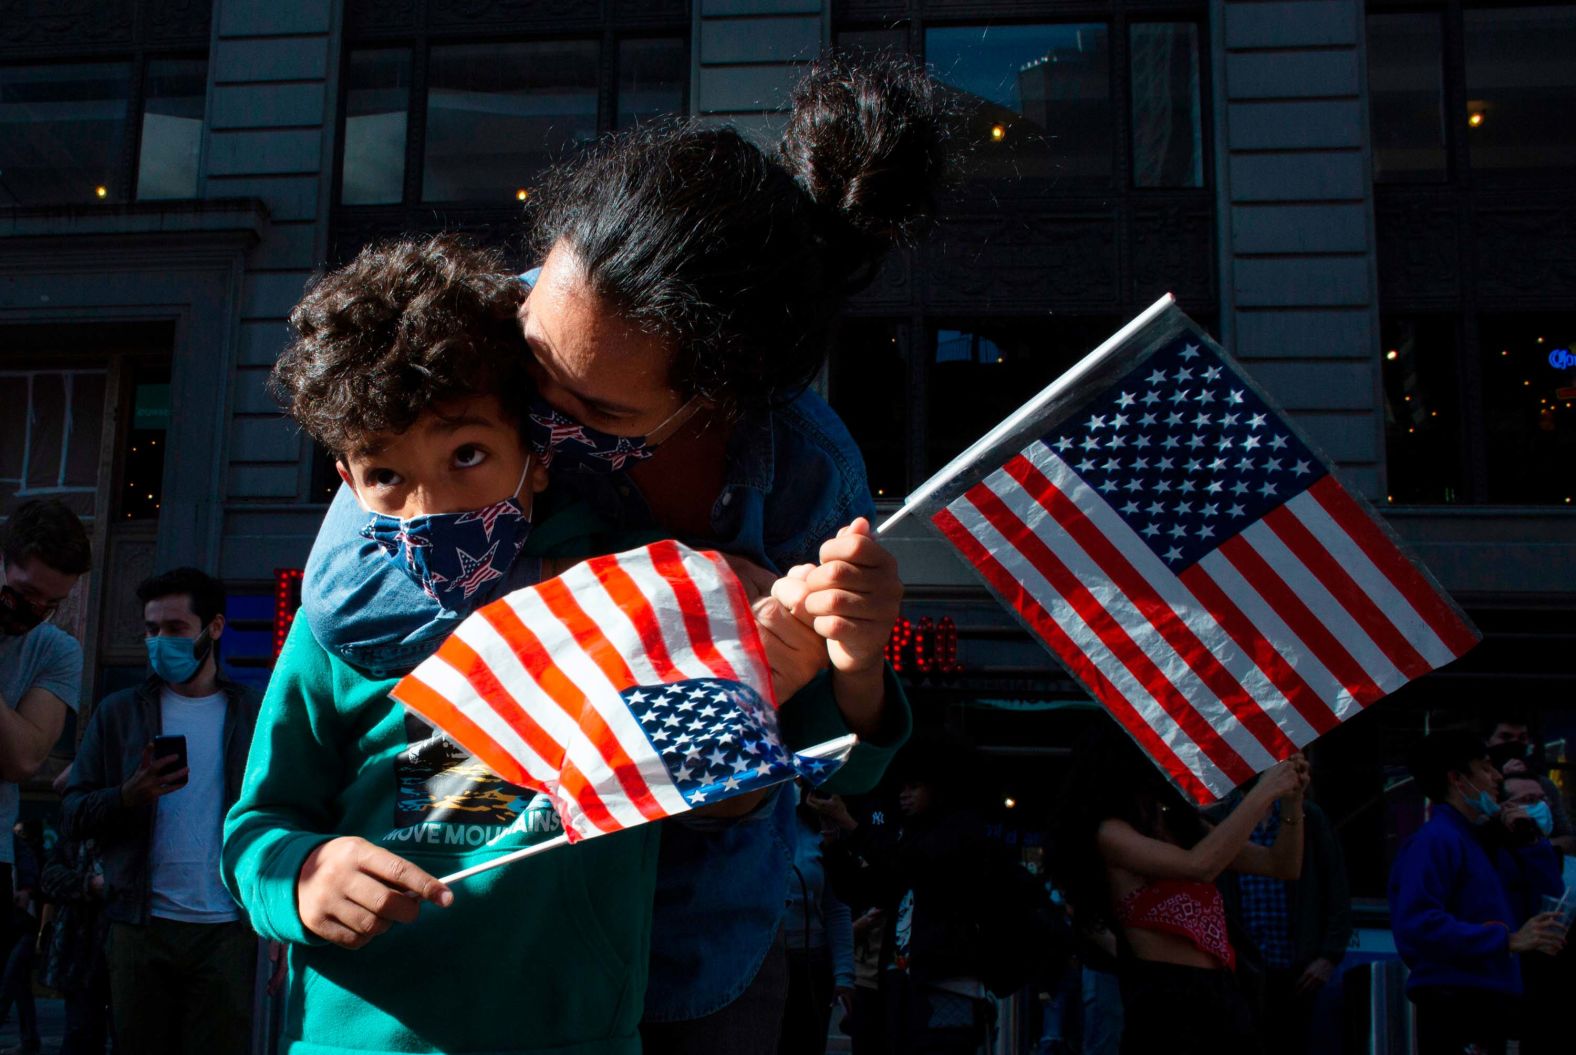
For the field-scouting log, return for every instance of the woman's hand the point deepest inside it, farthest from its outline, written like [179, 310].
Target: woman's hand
[1284, 780]
[795, 653]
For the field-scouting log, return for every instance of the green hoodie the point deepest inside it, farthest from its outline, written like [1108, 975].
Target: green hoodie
[567, 931]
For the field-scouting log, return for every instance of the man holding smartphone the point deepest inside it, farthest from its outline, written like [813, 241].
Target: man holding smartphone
[158, 767]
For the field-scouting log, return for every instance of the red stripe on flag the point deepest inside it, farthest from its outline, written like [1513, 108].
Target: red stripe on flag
[744, 620]
[1284, 600]
[437, 709]
[1397, 649]
[465, 660]
[1315, 711]
[557, 687]
[626, 595]
[1127, 652]
[1019, 597]
[1394, 565]
[556, 596]
[1159, 614]
[692, 607]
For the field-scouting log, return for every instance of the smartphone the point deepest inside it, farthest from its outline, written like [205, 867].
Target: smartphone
[164, 746]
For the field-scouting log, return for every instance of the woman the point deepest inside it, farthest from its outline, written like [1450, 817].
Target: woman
[1139, 859]
[687, 294]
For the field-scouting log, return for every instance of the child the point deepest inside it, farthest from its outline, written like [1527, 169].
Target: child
[351, 806]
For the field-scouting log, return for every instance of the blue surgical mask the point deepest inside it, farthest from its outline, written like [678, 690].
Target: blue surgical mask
[1542, 816]
[1485, 804]
[568, 446]
[176, 660]
[452, 555]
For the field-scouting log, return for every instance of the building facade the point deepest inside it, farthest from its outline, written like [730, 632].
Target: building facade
[1368, 204]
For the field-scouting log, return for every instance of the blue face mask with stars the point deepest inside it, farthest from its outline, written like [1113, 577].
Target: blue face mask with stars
[452, 555]
[566, 446]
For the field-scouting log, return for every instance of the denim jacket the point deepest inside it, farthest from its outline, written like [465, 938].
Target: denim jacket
[793, 477]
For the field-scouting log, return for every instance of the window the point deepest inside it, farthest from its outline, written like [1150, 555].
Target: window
[51, 424]
[867, 380]
[1406, 89]
[1528, 375]
[499, 114]
[142, 486]
[1423, 427]
[377, 109]
[1521, 87]
[1040, 98]
[64, 130]
[1168, 126]
[489, 118]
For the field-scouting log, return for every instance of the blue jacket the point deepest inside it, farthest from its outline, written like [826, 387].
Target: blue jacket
[793, 477]
[1456, 896]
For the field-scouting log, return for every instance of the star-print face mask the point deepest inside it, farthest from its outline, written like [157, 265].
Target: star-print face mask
[565, 445]
[452, 555]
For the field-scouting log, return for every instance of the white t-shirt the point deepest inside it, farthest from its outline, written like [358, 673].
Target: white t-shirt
[184, 870]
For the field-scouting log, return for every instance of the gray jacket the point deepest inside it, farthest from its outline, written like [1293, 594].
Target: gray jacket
[122, 725]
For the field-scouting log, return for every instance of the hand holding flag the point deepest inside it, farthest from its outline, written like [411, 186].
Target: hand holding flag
[631, 688]
[1182, 548]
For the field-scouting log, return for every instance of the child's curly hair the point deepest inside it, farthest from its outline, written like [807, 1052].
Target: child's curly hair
[404, 326]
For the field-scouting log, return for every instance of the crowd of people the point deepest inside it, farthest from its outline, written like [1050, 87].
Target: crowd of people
[649, 380]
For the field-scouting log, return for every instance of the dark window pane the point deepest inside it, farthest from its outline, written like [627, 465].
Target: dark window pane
[173, 99]
[651, 76]
[1529, 406]
[142, 489]
[1422, 415]
[377, 103]
[498, 114]
[1168, 129]
[1041, 98]
[1521, 87]
[863, 42]
[982, 371]
[1407, 95]
[867, 383]
[62, 129]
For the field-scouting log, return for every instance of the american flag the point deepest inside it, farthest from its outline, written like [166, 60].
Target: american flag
[1193, 562]
[629, 689]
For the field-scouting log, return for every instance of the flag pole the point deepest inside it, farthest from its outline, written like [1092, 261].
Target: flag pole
[1026, 412]
[510, 858]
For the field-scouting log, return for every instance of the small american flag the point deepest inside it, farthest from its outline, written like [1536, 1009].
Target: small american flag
[631, 688]
[1190, 558]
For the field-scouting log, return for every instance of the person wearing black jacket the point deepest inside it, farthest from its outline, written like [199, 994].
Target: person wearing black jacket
[182, 958]
[931, 875]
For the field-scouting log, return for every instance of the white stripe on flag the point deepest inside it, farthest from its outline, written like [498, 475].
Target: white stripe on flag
[601, 696]
[710, 574]
[1324, 605]
[1238, 664]
[599, 605]
[1120, 607]
[1088, 642]
[1396, 608]
[495, 650]
[439, 676]
[667, 611]
[1272, 627]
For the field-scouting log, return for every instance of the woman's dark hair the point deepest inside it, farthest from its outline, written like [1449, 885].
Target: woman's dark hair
[403, 327]
[741, 259]
[1111, 778]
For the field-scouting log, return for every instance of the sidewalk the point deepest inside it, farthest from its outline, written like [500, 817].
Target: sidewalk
[51, 1025]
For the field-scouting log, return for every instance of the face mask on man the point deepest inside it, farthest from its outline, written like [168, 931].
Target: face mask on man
[568, 446]
[1541, 815]
[452, 555]
[176, 660]
[1486, 805]
[17, 613]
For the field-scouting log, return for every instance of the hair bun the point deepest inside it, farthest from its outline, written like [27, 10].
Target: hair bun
[867, 141]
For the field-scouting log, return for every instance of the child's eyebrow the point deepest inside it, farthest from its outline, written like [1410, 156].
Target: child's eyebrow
[464, 421]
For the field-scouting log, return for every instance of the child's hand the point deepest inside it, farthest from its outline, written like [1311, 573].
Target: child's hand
[350, 891]
[851, 597]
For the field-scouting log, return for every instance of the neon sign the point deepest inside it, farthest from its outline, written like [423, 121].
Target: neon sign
[929, 646]
[1562, 359]
[287, 598]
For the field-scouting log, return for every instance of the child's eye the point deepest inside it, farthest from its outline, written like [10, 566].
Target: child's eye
[384, 478]
[469, 456]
